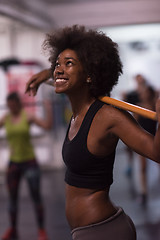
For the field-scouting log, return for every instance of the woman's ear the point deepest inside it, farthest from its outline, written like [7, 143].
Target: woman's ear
[88, 80]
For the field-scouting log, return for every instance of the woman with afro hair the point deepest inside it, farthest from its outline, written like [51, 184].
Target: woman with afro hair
[85, 65]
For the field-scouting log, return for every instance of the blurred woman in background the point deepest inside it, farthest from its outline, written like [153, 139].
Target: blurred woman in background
[147, 99]
[23, 162]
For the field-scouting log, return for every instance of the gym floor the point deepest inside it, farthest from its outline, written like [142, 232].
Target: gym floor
[124, 192]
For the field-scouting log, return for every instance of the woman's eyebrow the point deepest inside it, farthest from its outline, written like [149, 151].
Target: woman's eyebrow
[67, 58]
[70, 58]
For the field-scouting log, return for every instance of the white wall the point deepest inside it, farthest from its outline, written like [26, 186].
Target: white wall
[144, 61]
[21, 41]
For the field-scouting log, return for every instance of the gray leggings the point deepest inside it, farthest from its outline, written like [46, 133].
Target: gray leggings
[117, 227]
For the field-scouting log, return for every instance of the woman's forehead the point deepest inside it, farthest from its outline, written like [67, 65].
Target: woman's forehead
[68, 53]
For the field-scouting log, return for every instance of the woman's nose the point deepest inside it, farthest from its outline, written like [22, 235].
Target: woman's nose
[59, 69]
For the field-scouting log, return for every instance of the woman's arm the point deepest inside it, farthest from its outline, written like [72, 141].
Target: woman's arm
[142, 142]
[34, 82]
[44, 123]
[2, 121]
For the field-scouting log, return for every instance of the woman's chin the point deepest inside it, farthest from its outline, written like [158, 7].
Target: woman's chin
[58, 90]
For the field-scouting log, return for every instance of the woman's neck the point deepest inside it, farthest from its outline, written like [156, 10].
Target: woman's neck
[16, 114]
[80, 104]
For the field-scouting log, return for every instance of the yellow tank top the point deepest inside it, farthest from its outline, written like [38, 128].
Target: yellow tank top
[19, 140]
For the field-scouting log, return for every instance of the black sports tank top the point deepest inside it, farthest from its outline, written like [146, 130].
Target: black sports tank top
[84, 169]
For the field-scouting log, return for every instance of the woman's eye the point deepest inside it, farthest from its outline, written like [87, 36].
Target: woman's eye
[68, 63]
[57, 64]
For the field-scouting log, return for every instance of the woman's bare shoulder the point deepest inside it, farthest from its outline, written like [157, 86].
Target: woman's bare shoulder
[112, 113]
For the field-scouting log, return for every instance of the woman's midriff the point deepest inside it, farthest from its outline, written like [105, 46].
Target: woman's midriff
[87, 206]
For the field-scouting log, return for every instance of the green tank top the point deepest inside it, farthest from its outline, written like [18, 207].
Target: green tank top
[18, 137]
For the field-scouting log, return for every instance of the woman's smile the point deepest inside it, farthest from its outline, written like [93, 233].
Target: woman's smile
[59, 82]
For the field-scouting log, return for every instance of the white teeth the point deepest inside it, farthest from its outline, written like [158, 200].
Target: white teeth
[60, 80]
